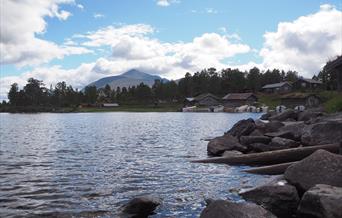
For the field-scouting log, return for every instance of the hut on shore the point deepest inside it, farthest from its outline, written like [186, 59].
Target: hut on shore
[233, 100]
[335, 67]
[295, 99]
[307, 84]
[206, 99]
[283, 87]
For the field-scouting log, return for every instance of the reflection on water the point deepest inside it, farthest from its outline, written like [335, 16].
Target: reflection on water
[89, 164]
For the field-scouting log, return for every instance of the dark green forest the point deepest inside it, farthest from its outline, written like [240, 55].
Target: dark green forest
[35, 93]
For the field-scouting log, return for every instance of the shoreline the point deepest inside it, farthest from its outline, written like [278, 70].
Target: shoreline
[301, 151]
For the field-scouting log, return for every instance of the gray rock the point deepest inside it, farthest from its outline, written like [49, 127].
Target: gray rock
[231, 153]
[296, 129]
[278, 143]
[267, 115]
[141, 206]
[289, 113]
[227, 209]
[281, 134]
[259, 147]
[321, 167]
[321, 201]
[224, 143]
[246, 140]
[256, 132]
[278, 196]
[273, 126]
[243, 127]
[322, 133]
[308, 114]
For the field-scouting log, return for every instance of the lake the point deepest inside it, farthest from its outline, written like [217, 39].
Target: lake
[89, 164]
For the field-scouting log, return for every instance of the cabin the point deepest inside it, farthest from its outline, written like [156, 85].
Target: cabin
[206, 99]
[335, 66]
[307, 84]
[296, 99]
[283, 87]
[233, 100]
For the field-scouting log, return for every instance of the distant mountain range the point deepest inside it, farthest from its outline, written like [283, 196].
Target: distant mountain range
[130, 78]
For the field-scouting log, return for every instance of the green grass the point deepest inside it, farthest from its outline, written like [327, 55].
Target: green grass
[332, 101]
[270, 100]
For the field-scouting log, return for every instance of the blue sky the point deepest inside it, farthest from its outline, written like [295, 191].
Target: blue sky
[82, 40]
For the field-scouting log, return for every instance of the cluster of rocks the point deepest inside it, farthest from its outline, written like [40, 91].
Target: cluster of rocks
[288, 129]
[310, 188]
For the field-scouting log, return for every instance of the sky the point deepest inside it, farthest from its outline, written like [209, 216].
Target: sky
[79, 41]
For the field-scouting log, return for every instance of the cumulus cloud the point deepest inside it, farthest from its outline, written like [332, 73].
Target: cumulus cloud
[21, 23]
[306, 43]
[133, 46]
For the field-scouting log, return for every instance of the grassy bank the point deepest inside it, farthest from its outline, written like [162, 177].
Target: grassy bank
[122, 108]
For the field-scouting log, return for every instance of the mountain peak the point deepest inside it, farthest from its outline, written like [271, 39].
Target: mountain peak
[132, 77]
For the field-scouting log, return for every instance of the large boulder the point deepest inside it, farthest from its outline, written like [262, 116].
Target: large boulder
[278, 196]
[243, 127]
[296, 129]
[246, 140]
[308, 115]
[142, 206]
[322, 133]
[231, 153]
[227, 209]
[321, 167]
[321, 201]
[289, 113]
[273, 126]
[278, 143]
[224, 143]
[259, 147]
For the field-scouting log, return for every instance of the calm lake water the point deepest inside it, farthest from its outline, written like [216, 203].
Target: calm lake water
[89, 164]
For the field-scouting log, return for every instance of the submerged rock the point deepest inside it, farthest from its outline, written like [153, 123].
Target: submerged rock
[321, 167]
[243, 127]
[227, 209]
[277, 196]
[321, 201]
[224, 143]
[141, 207]
[322, 133]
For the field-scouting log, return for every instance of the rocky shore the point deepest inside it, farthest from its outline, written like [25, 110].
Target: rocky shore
[304, 148]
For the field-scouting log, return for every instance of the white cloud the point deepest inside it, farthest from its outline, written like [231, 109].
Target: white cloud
[306, 43]
[80, 6]
[133, 46]
[211, 11]
[98, 15]
[166, 3]
[21, 23]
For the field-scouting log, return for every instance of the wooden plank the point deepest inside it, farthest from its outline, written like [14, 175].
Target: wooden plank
[271, 157]
[276, 169]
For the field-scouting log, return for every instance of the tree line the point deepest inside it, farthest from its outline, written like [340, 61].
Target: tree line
[34, 93]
